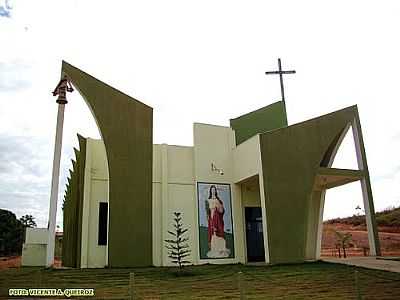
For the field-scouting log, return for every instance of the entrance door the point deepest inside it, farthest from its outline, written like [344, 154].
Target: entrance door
[254, 234]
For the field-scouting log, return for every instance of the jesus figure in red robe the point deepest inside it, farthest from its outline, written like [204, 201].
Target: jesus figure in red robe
[215, 218]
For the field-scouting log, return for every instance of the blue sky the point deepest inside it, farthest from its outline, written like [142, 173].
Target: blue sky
[197, 61]
[5, 9]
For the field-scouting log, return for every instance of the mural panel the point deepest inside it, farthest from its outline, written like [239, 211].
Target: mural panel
[215, 220]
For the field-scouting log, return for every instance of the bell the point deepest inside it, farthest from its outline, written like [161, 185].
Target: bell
[61, 90]
[62, 97]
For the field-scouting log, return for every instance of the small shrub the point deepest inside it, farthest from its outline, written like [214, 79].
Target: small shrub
[178, 248]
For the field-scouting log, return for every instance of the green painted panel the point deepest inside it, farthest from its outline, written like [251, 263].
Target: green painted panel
[262, 120]
[73, 209]
[291, 157]
[126, 126]
[74, 229]
[70, 238]
[80, 195]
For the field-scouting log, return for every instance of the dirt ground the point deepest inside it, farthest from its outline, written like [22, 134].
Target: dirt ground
[389, 240]
[10, 262]
[15, 262]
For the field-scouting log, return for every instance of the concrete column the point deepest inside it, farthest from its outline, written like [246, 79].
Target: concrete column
[164, 199]
[373, 238]
[263, 209]
[320, 225]
[323, 194]
[54, 186]
[86, 205]
[264, 218]
[238, 213]
[108, 203]
[108, 224]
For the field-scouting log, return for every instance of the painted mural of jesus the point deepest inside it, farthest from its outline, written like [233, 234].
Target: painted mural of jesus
[215, 217]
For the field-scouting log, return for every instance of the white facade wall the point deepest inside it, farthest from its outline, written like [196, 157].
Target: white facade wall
[34, 249]
[248, 165]
[176, 171]
[214, 145]
[34, 255]
[247, 159]
[173, 191]
[95, 191]
[36, 235]
[251, 194]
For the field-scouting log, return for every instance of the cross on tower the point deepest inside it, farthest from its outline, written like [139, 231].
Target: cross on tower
[280, 72]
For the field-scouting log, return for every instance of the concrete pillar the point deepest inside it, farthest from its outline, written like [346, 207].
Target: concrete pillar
[164, 199]
[323, 194]
[373, 237]
[320, 225]
[86, 206]
[263, 210]
[108, 201]
[54, 186]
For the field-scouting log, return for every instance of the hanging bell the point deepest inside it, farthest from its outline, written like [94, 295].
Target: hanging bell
[61, 90]
[62, 97]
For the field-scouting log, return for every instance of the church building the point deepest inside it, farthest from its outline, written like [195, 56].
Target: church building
[253, 191]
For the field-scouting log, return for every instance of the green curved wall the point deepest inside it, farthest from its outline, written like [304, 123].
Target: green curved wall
[126, 126]
[290, 158]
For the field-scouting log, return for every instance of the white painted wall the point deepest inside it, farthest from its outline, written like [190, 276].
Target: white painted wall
[95, 191]
[247, 163]
[173, 191]
[34, 249]
[215, 144]
[251, 194]
[86, 205]
[176, 171]
[36, 235]
[157, 207]
[246, 159]
[34, 255]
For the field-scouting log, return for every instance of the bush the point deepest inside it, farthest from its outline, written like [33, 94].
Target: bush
[11, 234]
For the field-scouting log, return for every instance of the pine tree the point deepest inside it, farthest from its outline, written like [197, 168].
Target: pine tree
[177, 247]
[28, 221]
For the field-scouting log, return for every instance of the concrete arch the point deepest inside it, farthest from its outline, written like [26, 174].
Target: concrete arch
[366, 189]
[327, 161]
[126, 127]
[291, 161]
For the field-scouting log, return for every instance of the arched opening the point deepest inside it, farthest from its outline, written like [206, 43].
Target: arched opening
[344, 223]
[346, 226]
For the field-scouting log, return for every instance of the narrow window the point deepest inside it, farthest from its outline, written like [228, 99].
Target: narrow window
[103, 209]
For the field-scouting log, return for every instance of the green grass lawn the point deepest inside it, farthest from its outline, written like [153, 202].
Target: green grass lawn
[303, 281]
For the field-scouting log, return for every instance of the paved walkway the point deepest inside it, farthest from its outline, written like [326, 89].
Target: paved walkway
[367, 262]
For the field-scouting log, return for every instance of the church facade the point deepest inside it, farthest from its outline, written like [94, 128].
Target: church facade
[253, 191]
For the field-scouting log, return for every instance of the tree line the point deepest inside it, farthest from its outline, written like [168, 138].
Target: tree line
[12, 232]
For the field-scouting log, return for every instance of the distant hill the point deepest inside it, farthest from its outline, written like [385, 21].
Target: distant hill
[388, 218]
[388, 222]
